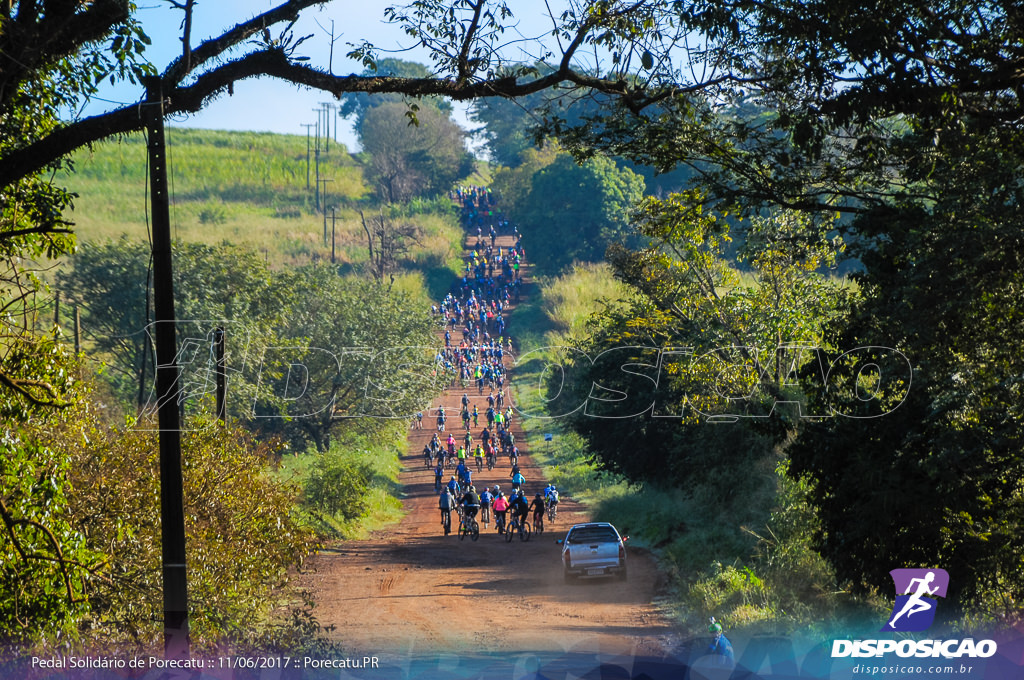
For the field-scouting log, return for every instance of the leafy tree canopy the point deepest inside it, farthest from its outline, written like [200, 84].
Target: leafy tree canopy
[420, 157]
[573, 212]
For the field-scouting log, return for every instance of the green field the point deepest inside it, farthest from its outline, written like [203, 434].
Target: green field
[247, 188]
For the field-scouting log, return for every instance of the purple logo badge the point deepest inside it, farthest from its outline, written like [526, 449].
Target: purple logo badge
[916, 590]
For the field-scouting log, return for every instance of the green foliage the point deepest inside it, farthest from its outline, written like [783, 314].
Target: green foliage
[228, 283]
[47, 565]
[419, 159]
[575, 212]
[213, 214]
[81, 557]
[512, 184]
[364, 349]
[337, 485]
[240, 534]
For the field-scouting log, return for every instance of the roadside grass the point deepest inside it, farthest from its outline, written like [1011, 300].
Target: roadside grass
[540, 326]
[761, 578]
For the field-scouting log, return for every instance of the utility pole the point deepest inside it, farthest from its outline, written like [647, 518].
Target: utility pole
[307, 126]
[318, 178]
[172, 514]
[78, 330]
[332, 234]
[317, 112]
[326, 109]
[324, 194]
[218, 342]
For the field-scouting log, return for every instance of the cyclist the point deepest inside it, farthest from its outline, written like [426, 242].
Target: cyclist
[551, 498]
[470, 503]
[478, 454]
[518, 480]
[486, 499]
[446, 501]
[500, 508]
[453, 485]
[476, 416]
[441, 418]
[537, 505]
[438, 474]
[520, 507]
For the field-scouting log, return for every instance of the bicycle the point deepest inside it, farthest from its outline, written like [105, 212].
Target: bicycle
[468, 526]
[490, 461]
[499, 522]
[485, 514]
[538, 523]
[446, 521]
[479, 463]
[517, 527]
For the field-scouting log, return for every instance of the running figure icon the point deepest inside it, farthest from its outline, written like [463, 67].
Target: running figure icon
[916, 603]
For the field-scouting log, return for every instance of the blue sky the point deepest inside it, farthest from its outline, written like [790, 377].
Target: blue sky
[271, 105]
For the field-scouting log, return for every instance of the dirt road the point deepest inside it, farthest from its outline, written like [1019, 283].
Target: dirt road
[411, 590]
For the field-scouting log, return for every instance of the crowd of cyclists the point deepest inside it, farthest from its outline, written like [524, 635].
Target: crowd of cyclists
[475, 346]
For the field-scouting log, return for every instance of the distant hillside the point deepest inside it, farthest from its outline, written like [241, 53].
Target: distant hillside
[243, 187]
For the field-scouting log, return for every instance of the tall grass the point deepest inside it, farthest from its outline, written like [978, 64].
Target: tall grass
[570, 299]
[246, 187]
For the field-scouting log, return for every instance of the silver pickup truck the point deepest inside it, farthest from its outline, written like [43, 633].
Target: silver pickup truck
[593, 549]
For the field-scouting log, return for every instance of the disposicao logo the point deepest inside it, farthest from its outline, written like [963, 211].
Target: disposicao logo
[914, 610]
